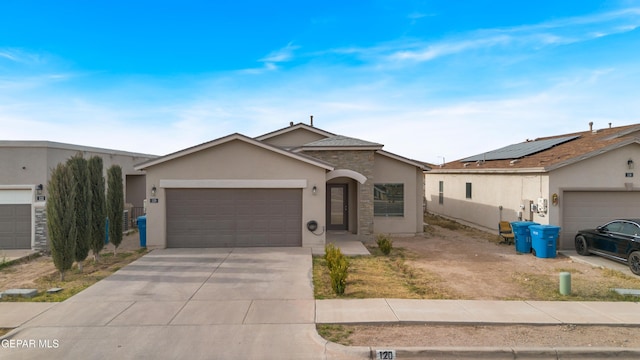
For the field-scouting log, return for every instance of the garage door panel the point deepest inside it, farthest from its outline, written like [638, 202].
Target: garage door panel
[234, 217]
[15, 226]
[588, 209]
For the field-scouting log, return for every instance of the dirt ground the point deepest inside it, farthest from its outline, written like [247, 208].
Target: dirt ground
[22, 276]
[472, 267]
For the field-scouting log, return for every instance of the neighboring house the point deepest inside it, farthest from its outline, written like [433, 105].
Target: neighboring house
[25, 169]
[575, 181]
[285, 188]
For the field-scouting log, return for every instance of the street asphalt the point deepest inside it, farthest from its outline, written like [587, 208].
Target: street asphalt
[257, 303]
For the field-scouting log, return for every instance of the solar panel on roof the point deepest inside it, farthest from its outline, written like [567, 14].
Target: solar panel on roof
[517, 151]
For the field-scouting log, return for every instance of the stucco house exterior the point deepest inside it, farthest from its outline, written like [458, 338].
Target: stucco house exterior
[285, 188]
[25, 169]
[575, 181]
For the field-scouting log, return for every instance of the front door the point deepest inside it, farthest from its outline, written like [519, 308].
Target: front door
[337, 207]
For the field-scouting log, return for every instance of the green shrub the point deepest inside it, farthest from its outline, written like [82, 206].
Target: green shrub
[384, 243]
[339, 274]
[338, 268]
[331, 253]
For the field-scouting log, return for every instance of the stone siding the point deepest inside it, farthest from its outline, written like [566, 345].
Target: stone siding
[41, 243]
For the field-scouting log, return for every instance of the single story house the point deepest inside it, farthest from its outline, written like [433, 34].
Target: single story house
[25, 169]
[575, 181]
[285, 188]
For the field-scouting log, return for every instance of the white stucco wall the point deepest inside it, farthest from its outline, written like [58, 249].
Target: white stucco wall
[490, 192]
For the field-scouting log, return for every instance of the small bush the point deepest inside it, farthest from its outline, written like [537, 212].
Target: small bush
[339, 274]
[338, 268]
[384, 243]
[330, 254]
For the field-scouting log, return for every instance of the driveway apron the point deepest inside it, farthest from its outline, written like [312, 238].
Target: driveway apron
[252, 303]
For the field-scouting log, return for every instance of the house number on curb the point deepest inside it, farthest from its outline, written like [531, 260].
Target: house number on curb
[385, 354]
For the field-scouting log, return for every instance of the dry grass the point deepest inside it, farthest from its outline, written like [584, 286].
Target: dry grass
[379, 276]
[583, 288]
[76, 281]
[335, 333]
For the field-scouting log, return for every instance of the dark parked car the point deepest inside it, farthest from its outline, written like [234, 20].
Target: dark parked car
[618, 240]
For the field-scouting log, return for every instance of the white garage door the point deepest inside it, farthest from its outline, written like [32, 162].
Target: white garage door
[234, 217]
[588, 209]
[15, 226]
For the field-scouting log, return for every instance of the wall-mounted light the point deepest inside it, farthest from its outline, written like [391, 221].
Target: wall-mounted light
[153, 190]
[39, 188]
[630, 164]
[314, 190]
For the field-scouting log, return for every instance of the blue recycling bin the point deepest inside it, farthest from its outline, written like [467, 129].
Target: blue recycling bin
[522, 235]
[544, 239]
[142, 228]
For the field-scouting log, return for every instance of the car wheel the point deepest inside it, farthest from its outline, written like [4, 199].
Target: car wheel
[634, 262]
[581, 246]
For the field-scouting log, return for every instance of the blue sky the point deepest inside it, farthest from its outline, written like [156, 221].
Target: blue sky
[431, 80]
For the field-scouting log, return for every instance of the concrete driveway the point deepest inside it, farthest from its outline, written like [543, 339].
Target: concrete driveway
[253, 303]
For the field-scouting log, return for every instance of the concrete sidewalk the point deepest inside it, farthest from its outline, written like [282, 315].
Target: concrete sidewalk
[376, 311]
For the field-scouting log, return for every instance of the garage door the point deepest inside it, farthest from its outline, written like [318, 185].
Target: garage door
[234, 217]
[588, 209]
[15, 226]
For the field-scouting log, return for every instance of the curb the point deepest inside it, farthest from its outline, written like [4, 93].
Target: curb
[513, 353]
[337, 351]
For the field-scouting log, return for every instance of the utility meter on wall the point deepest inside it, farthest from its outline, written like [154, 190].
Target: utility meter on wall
[542, 205]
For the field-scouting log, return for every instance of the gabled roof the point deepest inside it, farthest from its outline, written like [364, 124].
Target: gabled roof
[293, 127]
[342, 143]
[559, 151]
[418, 164]
[227, 139]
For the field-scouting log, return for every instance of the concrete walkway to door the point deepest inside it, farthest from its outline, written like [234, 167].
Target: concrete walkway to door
[254, 303]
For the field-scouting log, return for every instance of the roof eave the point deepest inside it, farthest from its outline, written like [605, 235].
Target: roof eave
[403, 159]
[228, 138]
[327, 148]
[488, 171]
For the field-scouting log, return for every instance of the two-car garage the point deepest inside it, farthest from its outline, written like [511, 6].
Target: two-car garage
[235, 192]
[233, 217]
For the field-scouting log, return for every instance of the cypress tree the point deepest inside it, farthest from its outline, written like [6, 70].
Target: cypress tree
[115, 205]
[61, 221]
[98, 206]
[82, 208]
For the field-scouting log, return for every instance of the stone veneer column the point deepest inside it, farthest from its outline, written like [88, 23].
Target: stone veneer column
[361, 161]
[40, 228]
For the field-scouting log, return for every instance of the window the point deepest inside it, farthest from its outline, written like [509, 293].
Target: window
[388, 199]
[441, 192]
[468, 192]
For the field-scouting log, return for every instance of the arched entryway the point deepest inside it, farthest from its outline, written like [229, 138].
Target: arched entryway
[343, 187]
